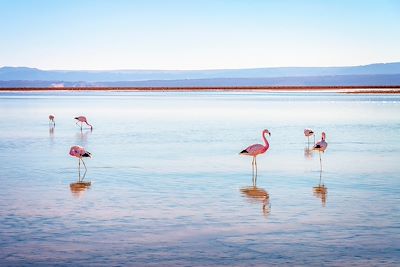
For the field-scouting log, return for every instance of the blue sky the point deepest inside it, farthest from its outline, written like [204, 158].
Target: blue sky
[207, 34]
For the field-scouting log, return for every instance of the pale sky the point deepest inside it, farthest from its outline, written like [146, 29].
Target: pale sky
[207, 34]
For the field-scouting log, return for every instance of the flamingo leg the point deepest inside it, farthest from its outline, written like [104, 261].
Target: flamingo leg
[85, 169]
[320, 161]
[255, 180]
[252, 170]
[320, 177]
[79, 169]
[314, 139]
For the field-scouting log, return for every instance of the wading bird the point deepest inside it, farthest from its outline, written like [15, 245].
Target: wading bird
[51, 119]
[255, 150]
[79, 152]
[321, 147]
[308, 133]
[82, 119]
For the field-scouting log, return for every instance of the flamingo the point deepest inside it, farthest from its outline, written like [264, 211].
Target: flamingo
[82, 119]
[308, 133]
[51, 119]
[321, 147]
[255, 150]
[80, 152]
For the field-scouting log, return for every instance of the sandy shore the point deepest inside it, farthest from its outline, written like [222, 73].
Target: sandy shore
[334, 89]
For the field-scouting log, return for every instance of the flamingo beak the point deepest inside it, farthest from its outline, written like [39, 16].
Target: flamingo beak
[76, 118]
[269, 134]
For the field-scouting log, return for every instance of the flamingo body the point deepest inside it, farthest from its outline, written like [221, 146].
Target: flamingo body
[82, 119]
[254, 150]
[79, 152]
[51, 119]
[322, 144]
[308, 132]
[257, 149]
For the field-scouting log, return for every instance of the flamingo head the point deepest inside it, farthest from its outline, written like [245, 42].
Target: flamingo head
[323, 135]
[266, 132]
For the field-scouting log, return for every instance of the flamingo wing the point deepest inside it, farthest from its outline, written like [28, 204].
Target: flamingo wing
[254, 150]
[321, 145]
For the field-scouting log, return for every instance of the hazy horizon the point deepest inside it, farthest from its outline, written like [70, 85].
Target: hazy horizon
[247, 68]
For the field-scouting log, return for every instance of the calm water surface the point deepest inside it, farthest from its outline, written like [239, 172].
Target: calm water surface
[169, 188]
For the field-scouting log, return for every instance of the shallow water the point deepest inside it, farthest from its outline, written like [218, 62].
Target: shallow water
[169, 188]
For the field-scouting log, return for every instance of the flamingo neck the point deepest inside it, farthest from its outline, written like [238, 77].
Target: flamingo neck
[265, 140]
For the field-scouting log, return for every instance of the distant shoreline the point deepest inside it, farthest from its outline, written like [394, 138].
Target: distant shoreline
[392, 89]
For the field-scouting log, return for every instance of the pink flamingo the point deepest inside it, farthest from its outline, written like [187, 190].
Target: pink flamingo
[82, 119]
[51, 119]
[321, 147]
[308, 133]
[255, 150]
[79, 152]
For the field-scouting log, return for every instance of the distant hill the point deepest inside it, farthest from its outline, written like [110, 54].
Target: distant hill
[373, 74]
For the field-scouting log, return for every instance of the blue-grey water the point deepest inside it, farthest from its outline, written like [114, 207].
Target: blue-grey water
[169, 188]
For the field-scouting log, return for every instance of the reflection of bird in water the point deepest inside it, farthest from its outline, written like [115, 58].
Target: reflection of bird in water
[320, 191]
[308, 153]
[82, 136]
[82, 119]
[51, 120]
[321, 147]
[308, 133]
[256, 195]
[80, 153]
[255, 150]
[79, 188]
[51, 131]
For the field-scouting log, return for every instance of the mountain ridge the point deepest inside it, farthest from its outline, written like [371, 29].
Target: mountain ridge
[32, 74]
[371, 74]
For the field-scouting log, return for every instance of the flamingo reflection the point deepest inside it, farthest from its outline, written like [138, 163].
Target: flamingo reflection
[320, 191]
[308, 153]
[51, 132]
[79, 188]
[256, 195]
[82, 136]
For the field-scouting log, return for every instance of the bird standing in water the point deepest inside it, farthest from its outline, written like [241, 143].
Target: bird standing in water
[255, 150]
[51, 119]
[82, 119]
[308, 133]
[321, 147]
[80, 152]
